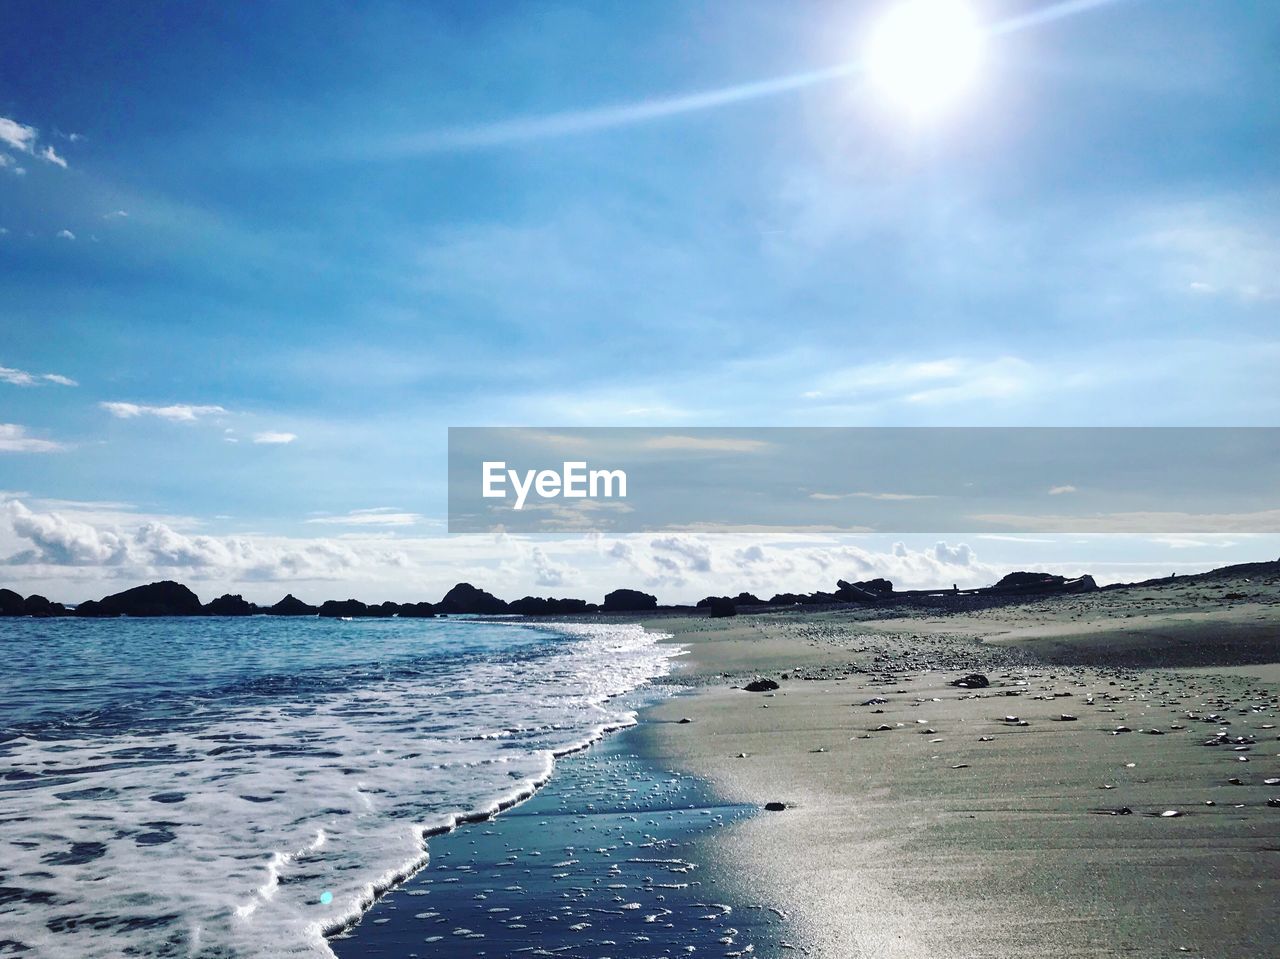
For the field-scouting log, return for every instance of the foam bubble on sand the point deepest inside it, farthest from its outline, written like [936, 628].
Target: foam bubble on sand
[259, 823]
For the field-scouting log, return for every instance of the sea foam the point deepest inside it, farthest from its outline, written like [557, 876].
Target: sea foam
[260, 816]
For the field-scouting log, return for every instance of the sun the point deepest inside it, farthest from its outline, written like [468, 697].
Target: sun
[923, 55]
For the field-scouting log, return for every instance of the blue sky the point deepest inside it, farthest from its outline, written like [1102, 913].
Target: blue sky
[358, 226]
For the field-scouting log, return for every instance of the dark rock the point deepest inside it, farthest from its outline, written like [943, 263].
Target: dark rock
[337, 608]
[786, 599]
[416, 611]
[230, 604]
[291, 606]
[384, 610]
[761, 686]
[155, 599]
[775, 806]
[537, 606]
[465, 598]
[11, 603]
[36, 605]
[628, 600]
[1024, 582]
[972, 681]
[742, 599]
[722, 607]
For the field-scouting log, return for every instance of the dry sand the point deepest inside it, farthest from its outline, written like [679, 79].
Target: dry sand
[956, 832]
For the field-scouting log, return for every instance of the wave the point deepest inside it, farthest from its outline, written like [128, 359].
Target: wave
[265, 817]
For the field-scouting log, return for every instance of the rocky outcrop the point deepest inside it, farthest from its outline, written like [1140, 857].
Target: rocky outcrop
[166, 598]
[742, 599]
[761, 686]
[722, 607]
[416, 611]
[1024, 582]
[465, 598]
[291, 606]
[11, 603]
[40, 607]
[972, 681]
[338, 608]
[229, 604]
[628, 601]
[537, 606]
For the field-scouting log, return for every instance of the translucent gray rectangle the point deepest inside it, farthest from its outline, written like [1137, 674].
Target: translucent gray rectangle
[883, 480]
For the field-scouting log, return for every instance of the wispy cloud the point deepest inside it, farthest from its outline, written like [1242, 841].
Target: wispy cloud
[938, 381]
[17, 136]
[1062, 490]
[887, 497]
[48, 153]
[271, 438]
[176, 413]
[705, 444]
[14, 439]
[377, 516]
[16, 377]
[25, 139]
[66, 235]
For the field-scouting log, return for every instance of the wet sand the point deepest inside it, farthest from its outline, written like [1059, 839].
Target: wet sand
[951, 822]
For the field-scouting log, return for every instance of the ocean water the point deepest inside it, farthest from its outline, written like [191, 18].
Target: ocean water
[613, 858]
[241, 787]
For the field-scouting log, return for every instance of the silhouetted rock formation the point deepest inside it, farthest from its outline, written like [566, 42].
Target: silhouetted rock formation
[336, 608]
[1023, 582]
[722, 607]
[416, 611]
[537, 606]
[291, 606]
[11, 603]
[761, 686]
[742, 599]
[465, 598]
[155, 599]
[229, 604]
[865, 590]
[628, 601]
[36, 605]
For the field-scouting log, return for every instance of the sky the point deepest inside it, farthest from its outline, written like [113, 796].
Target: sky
[256, 259]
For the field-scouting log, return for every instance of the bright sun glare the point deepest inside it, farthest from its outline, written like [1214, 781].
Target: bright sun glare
[924, 54]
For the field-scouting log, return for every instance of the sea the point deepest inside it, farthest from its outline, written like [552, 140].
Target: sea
[226, 787]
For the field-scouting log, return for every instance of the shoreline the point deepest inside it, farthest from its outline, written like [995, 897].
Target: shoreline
[925, 824]
[612, 803]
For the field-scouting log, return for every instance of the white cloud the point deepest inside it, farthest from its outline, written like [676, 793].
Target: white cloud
[176, 413]
[18, 136]
[16, 377]
[115, 215]
[14, 439]
[66, 235]
[24, 138]
[271, 438]
[48, 153]
[939, 381]
[1062, 490]
[706, 444]
[378, 516]
[887, 497]
[1214, 248]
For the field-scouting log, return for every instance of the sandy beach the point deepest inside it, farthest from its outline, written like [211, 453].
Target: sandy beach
[1108, 794]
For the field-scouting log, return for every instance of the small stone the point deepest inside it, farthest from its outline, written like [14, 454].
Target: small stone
[775, 806]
